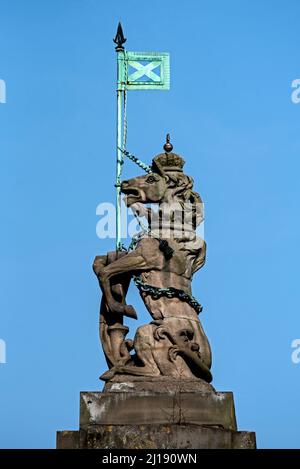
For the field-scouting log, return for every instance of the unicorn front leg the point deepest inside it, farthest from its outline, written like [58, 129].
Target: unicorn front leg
[146, 257]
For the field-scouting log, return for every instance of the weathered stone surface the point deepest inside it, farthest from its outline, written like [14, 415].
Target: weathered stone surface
[162, 263]
[149, 407]
[157, 413]
[167, 436]
[157, 385]
[68, 439]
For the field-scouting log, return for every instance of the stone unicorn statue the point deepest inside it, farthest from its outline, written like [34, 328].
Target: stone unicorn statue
[162, 264]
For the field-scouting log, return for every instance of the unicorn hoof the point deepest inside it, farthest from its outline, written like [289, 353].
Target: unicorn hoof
[130, 312]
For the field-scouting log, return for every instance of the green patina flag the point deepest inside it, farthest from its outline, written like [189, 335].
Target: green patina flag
[144, 71]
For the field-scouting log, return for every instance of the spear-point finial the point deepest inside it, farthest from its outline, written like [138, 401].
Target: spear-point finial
[119, 39]
[168, 146]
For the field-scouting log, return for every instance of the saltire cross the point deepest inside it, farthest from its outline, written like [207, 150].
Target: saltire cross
[145, 71]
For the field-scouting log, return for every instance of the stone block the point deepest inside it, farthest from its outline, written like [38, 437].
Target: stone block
[156, 414]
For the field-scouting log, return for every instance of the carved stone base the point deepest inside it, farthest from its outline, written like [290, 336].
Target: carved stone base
[156, 414]
[168, 436]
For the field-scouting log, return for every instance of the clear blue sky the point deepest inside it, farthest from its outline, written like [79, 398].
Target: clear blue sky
[230, 114]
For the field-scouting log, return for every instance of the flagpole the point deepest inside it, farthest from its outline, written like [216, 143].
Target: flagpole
[118, 166]
[119, 40]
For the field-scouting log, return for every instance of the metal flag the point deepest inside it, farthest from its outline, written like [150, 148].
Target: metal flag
[144, 71]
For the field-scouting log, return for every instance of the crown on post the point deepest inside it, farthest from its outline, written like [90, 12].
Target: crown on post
[169, 161]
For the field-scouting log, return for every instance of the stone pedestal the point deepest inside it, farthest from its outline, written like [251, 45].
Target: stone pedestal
[156, 414]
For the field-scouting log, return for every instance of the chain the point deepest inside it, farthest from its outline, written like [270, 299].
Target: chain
[136, 160]
[169, 292]
[156, 292]
[136, 238]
